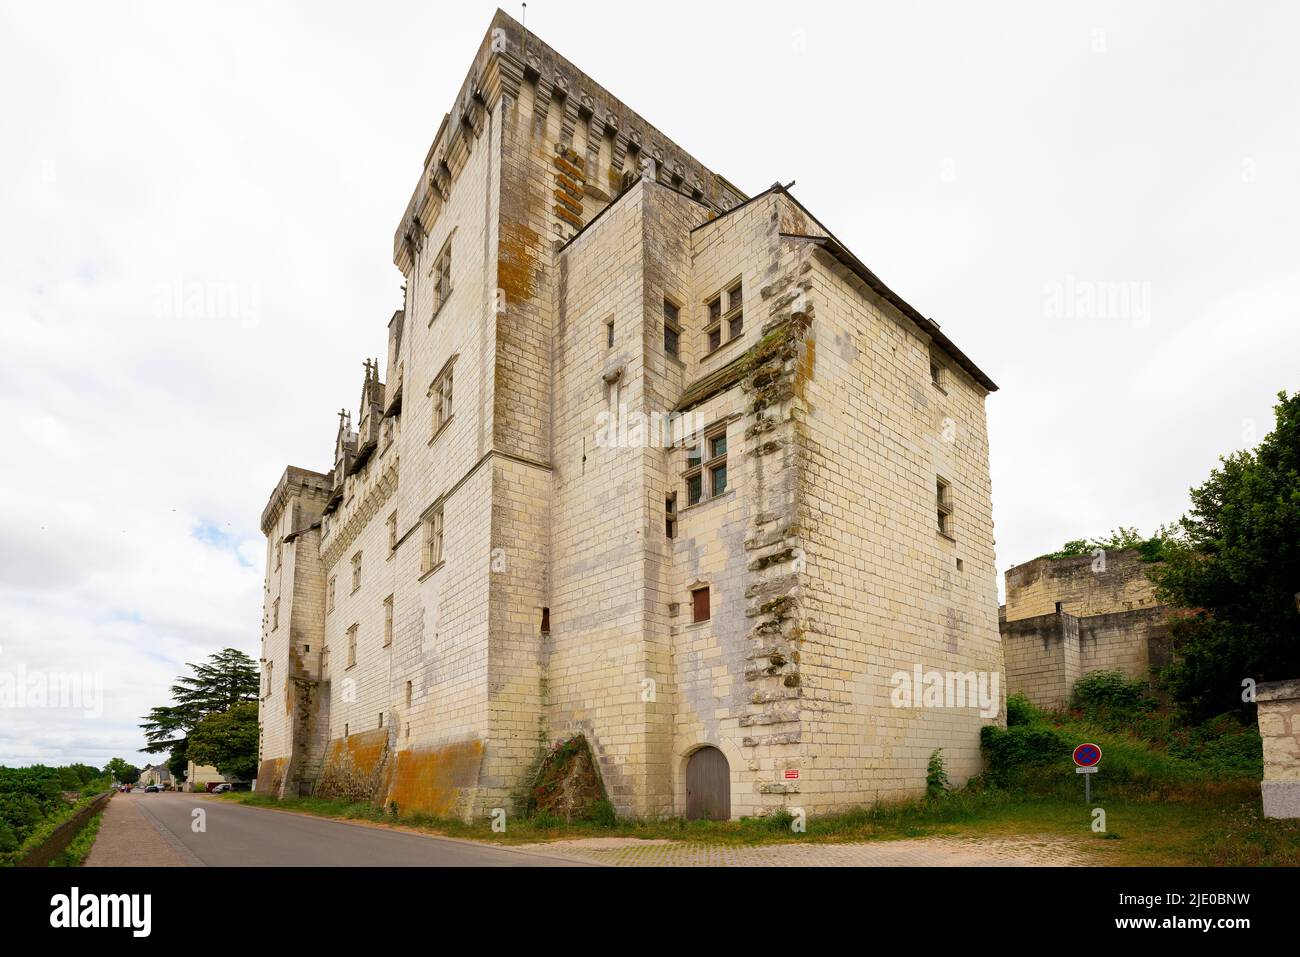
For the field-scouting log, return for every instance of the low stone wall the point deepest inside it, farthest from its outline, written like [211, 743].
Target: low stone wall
[63, 835]
[1045, 655]
[1278, 711]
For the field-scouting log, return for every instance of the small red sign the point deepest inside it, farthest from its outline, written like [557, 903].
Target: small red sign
[792, 774]
[1087, 755]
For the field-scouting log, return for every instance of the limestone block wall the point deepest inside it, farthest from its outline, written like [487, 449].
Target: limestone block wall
[597, 656]
[1123, 641]
[1043, 658]
[1082, 585]
[1278, 710]
[885, 591]
[293, 632]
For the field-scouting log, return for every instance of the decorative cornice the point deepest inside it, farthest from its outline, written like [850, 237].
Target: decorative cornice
[373, 499]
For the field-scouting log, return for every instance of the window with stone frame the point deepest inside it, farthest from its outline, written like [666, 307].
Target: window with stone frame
[270, 678]
[356, 572]
[670, 515]
[943, 506]
[431, 550]
[706, 466]
[440, 273]
[724, 317]
[700, 610]
[672, 328]
[329, 594]
[938, 374]
[442, 393]
[352, 645]
[392, 533]
[275, 614]
[388, 621]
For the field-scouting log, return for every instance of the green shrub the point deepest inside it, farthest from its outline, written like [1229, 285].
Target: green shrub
[936, 775]
[603, 814]
[1110, 693]
[1020, 711]
[1011, 752]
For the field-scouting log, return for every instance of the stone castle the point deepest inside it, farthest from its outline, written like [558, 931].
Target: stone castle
[648, 460]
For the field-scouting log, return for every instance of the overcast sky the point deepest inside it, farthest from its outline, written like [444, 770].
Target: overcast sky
[1009, 169]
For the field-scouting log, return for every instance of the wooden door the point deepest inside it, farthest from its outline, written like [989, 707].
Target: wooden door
[708, 786]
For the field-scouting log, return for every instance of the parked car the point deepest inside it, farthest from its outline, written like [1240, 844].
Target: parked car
[152, 789]
[221, 789]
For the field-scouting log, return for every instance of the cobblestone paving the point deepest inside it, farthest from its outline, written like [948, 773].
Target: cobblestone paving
[128, 838]
[915, 852]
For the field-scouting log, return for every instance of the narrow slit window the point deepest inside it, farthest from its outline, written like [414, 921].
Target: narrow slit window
[943, 506]
[672, 328]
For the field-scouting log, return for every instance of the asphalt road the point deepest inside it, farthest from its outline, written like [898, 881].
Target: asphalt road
[239, 836]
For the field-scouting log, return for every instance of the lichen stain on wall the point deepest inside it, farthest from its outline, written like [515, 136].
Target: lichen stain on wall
[270, 774]
[517, 262]
[432, 780]
[353, 765]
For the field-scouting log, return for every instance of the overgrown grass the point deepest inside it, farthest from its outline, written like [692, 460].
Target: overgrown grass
[75, 854]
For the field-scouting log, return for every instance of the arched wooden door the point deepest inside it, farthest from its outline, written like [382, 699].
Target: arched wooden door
[708, 786]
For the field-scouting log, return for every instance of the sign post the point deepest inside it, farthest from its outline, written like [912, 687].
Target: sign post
[1086, 758]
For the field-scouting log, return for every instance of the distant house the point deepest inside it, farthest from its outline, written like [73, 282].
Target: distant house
[156, 774]
[199, 776]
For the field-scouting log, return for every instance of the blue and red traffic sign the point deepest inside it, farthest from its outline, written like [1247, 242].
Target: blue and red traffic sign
[1087, 755]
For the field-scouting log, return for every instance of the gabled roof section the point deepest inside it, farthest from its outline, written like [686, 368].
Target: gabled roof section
[856, 266]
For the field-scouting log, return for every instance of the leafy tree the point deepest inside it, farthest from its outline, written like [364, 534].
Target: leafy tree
[119, 770]
[228, 741]
[1235, 566]
[178, 762]
[227, 678]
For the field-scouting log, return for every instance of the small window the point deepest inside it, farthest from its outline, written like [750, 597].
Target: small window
[937, 376]
[714, 465]
[408, 696]
[694, 485]
[724, 325]
[329, 594]
[270, 677]
[392, 533]
[609, 333]
[943, 506]
[670, 516]
[672, 328]
[546, 621]
[279, 548]
[356, 571]
[381, 719]
[275, 614]
[700, 604]
[440, 272]
[432, 551]
[388, 621]
[352, 645]
[442, 393]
